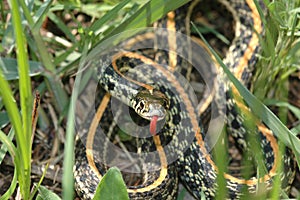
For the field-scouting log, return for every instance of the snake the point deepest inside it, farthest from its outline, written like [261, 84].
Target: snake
[163, 97]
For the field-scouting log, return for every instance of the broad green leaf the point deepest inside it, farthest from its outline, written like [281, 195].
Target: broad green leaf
[4, 120]
[46, 194]
[9, 68]
[112, 186]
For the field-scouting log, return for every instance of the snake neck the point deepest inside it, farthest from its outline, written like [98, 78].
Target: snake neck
[116, 85]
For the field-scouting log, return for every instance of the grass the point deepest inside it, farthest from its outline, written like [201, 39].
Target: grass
[21, 123]
[279, 61]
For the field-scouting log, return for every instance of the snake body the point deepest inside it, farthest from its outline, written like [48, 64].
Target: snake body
[194, 166]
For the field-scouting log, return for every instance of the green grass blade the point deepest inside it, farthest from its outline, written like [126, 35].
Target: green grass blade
[25, 97]
[6, 140]
[9, 145]
[37, 186]
[146, 15]
[24, 169]
[26, 9]
[293, 109]
[11, 188]
[11, 107]
[24, 80]
[41, 14]
[62, 26]
[206, 29]
[65, 56]
[3, 148]
[68, 180]
[15, 119]
[52, 81]
[108, 16]
[296, 129]
[143, 17]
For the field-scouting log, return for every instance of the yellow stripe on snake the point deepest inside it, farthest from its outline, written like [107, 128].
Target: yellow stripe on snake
[181, 136]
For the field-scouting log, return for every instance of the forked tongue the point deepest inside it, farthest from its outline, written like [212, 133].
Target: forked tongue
[153, 123]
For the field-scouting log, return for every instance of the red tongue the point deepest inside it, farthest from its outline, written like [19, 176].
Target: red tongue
[153, 123]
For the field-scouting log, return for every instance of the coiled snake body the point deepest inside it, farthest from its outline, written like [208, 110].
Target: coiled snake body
[170, 101]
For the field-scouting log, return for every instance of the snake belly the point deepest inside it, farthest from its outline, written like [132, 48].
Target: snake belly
[195, 166]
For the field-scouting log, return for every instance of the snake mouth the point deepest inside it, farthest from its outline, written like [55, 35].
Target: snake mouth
[156, 110]
[155, 113]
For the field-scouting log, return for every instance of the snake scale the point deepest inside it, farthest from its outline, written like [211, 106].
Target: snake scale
[171, 103]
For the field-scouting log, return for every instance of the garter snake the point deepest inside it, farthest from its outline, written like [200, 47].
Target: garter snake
[195, 166]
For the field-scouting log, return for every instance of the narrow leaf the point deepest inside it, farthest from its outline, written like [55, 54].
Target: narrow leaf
[146, 15]
[4, 149]
[11, 188]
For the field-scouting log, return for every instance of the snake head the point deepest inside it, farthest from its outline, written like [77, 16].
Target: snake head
[150, 103]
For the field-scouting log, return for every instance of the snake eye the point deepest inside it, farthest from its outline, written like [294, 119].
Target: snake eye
[141, 105]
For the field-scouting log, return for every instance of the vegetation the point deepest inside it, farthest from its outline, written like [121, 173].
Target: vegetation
[41, 48]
